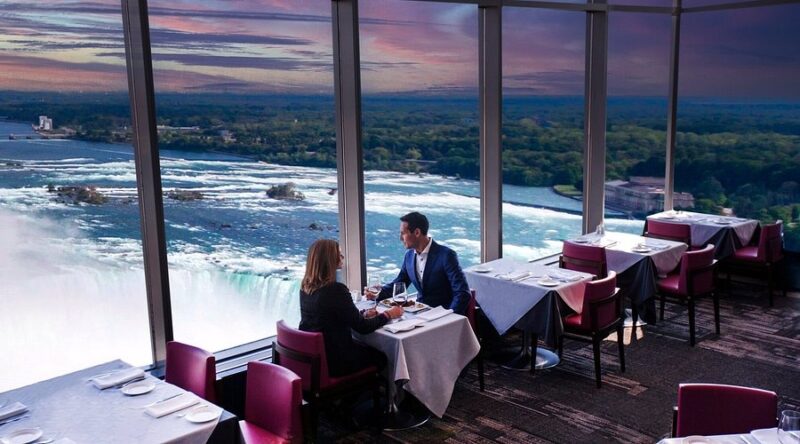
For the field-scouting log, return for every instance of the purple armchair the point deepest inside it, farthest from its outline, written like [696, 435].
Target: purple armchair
[272, 405]
[760, 259]
[192, 369]
[694, 278]
[585, 258]
[669, 231]
[304, 353]
[601, 314]
[713, 409]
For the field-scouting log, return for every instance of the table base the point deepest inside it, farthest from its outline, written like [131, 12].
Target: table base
[521, 360]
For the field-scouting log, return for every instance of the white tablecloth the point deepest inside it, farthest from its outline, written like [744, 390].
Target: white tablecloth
[760, 436]
[704, 227]
[505, 302]
[69, 406]
[429, 358]
[665, 254]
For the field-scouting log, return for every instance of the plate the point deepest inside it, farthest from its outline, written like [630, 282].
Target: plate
[419, 306]
[722, 222]
[580, 241]
[482, 269]
[548, 283]
[696, 439]
[22, 436]
[641, 249]
[138, 388]
[203, 413]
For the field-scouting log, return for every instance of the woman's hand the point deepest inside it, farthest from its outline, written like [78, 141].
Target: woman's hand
[371, 313]
[394, 312]
[369, 295]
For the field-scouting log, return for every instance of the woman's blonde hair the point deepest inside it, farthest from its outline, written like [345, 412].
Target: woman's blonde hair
[321, 265]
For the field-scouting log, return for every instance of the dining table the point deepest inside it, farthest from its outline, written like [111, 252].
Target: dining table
[727, 233]
[759, 436]
[530, 297]
[426, 352]
[71, 408]
[638, 261]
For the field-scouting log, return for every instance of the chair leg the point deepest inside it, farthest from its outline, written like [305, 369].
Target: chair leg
[690, 302]
[480, 371]
[728, 283]
[534, 346]
[313, 421]
[769, 286]
[596, 349]
[715, 296]
[663, 303]
[635, 317]
[621, 345]
[560, 347]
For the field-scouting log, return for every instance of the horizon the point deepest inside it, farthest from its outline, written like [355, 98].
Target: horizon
[284, 47]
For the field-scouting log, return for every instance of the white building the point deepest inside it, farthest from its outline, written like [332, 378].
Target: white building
[45, 123]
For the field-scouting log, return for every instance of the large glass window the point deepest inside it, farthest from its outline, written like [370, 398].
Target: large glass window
[419, 79]
[71, 267]
[543, 84]
[738, 147]
[248, 156]
[638, 84]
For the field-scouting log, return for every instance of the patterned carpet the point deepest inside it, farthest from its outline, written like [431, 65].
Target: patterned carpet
[759, 346]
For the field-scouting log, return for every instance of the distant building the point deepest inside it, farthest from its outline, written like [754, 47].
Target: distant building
[45, 124]
[643, 195]
[227, 136]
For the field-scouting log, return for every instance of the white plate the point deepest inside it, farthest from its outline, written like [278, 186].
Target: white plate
[203, 414]
[482, 269]
[641, 249]
[580, 241]
[139, 388]
[418, 306]
[548, 283]
[22, 436]
[722, 222]
[696, 439]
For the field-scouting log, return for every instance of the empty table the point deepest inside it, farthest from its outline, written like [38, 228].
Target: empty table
[726, 233]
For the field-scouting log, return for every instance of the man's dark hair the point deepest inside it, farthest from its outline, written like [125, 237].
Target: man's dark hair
[416, 220]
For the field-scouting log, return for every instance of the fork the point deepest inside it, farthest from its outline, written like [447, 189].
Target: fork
[18, 418]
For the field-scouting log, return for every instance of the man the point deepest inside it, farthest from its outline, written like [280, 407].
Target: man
[432, 268]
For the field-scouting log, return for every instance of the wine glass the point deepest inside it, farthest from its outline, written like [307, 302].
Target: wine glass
[399, 293]
[789, 427]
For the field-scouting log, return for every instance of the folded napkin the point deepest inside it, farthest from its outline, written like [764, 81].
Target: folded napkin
[514, 275]
[409, 324]
[655, 244]
[116, 378]
[13, 409]
[562, 276]
[434, 313]
[766, 436]
[172, 405]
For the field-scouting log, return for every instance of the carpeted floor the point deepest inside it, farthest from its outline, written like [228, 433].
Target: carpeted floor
[759, 347]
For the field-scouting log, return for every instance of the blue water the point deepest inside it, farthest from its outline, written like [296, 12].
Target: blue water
[235, 256]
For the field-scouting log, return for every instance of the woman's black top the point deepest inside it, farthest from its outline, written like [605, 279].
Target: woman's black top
[331, 311]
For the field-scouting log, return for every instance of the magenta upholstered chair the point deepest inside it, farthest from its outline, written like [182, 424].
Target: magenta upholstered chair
[472, 316]
[694, 278]
[304, 353]
[601, 314]
[762, 258]
[713, 409]
[668, 231]
[192, 369]
[272, 405]
[586, 258]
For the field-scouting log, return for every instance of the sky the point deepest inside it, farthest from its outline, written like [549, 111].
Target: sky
[284, 46]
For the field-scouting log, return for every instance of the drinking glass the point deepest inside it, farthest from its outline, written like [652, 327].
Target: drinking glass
[399, 293]
[789, 427]
[374, 287]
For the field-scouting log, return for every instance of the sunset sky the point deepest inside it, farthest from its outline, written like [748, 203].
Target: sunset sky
[406, 46]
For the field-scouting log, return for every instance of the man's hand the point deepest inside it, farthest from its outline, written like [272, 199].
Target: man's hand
[394, 312]
[369, 294]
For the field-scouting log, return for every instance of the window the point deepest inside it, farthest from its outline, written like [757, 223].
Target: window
[248, 156]
[638, 85]
[420, 110]
[543, 84]
[71, 264]
[738, 149]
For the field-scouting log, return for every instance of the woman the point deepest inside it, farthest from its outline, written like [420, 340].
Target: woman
[326, 307]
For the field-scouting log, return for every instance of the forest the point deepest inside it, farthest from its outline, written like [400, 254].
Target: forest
[744, 156]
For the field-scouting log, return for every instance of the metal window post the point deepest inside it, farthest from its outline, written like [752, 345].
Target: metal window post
[490, 90]
[594, 153]
[148, 172]
[350, 173]
[672, 108]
